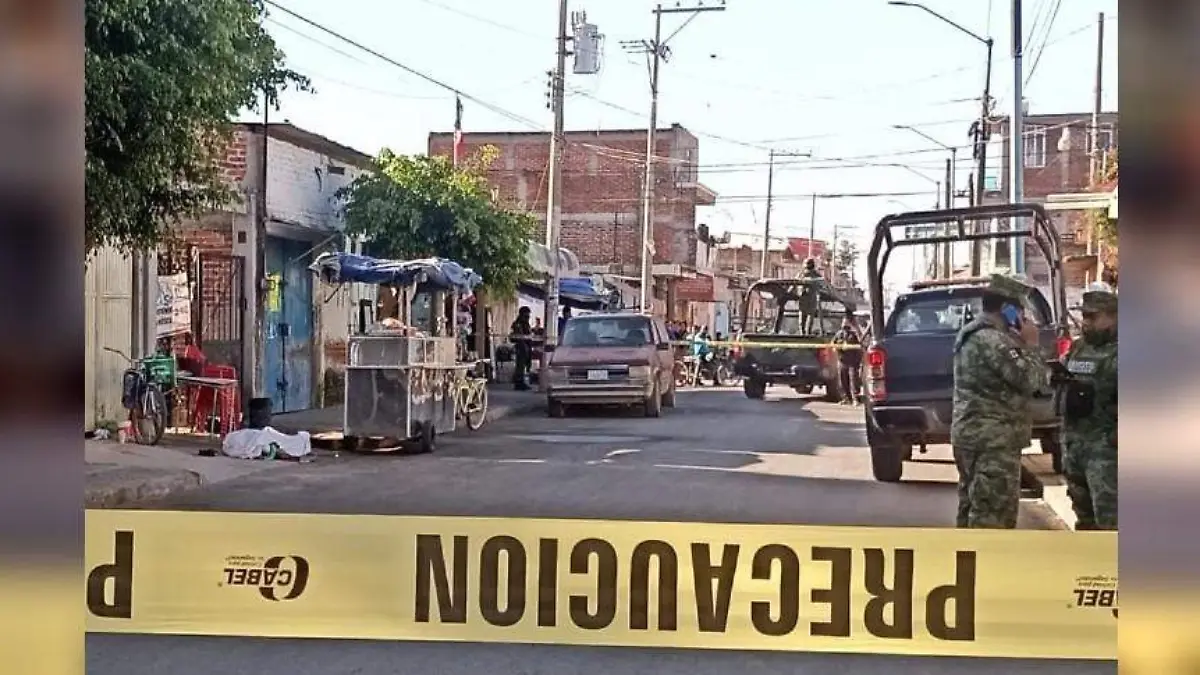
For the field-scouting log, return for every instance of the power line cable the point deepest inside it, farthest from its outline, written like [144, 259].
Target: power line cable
[408, 69]
[1042, 50]
[485, 20]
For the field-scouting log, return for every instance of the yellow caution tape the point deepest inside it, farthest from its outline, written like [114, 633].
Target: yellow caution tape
[798, 588]
[772, 345]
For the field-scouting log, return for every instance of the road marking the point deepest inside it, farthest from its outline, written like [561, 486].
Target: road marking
[577, 438]
[608, 458]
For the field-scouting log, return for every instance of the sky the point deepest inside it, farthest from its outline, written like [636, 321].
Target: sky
[827, 78]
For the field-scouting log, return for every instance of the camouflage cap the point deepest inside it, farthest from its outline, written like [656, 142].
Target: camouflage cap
[1007, 286]
[1099, 301]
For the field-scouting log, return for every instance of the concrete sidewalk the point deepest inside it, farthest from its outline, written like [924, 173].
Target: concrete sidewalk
[122, 474]
[1050, 486]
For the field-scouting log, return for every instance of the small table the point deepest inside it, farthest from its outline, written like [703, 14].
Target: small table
[224, 400]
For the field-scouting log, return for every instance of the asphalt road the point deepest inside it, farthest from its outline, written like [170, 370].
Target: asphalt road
[718, 457]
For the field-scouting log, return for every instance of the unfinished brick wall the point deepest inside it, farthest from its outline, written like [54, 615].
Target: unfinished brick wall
[233, 166]
[602, 189]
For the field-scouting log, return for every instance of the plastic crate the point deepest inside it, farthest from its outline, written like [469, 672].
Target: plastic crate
[160, 369]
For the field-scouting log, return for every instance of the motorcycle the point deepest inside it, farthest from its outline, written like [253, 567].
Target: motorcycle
[692, 371]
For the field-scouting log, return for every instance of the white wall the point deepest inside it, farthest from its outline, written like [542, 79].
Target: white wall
[300, 188]
[108, 322]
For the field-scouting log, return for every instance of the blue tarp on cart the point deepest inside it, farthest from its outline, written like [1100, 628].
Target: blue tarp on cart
[574, 292]
[425, 274]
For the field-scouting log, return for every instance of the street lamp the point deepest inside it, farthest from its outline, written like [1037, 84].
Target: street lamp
[981, 131]
[953, 154]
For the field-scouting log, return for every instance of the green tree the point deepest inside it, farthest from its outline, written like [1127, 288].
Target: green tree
[163, 78]
[846, 257]
[419, 206]
[1104, 227]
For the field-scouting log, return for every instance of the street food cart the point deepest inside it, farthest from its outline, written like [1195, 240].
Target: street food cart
[401, 371]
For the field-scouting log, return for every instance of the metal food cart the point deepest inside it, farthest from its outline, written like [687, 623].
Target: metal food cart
[400, 381]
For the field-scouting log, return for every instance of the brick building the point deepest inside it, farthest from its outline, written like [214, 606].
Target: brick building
[601, 196]
[294, 348]
[1057, 154]
[739, 258]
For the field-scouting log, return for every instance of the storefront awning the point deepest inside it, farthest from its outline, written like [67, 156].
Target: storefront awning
[1083, 201]
[542, 261]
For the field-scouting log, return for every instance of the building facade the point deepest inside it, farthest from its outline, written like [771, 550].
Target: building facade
[257, 305]
[602, 196]
[1057, 150]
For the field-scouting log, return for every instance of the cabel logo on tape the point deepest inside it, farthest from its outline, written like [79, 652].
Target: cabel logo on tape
[756, 587]
[276, 578]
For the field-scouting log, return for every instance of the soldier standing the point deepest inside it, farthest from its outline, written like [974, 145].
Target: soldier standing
[997, 369]
[1090, 416]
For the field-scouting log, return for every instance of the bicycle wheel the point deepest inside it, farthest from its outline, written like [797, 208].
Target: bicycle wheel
[476, 406]
[681, 374]
[150, 417]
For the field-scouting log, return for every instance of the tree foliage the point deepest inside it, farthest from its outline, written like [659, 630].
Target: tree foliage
[1104, 227]
[419, 206]
[163, 80]
[845, 257]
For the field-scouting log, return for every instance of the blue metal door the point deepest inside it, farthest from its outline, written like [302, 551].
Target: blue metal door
[289, 325]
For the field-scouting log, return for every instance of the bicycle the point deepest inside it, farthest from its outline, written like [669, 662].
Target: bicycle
[143, 395]
[471, 396]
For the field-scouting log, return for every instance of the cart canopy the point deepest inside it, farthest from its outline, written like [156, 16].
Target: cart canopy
[574, 292]
[425, 274]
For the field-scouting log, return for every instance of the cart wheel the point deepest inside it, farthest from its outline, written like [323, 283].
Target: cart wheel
[426, 438]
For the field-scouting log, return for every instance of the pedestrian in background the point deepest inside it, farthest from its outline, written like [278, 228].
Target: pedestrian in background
[521, 335]
[849, 344]
[1090, 415]
[997, 368]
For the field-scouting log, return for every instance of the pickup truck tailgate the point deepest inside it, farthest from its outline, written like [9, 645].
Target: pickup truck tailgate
[774, 356]
[920, 366]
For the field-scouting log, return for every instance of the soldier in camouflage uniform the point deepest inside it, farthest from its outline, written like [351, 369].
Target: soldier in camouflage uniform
[997, 368]
[1090, 416]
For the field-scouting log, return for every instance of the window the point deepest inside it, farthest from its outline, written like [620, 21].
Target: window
[608, 331]
[933, 315]
[947, 314]
[1104, 135]
[1035, 147]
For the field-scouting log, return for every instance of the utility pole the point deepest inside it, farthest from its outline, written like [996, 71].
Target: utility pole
[812, 224]
[770, 198]
[833, 271]
[647, 285]
[1097, 154]
[554, 206]
[658, 52]
[948, 249]
[1096, 165]
[766, 250]
[1016, 133]
[982, 136]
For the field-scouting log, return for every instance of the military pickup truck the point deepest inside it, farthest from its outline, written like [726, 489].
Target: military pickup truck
[803, 312]
[909, 364]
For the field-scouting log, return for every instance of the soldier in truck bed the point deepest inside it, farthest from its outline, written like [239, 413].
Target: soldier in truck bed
[997, 369]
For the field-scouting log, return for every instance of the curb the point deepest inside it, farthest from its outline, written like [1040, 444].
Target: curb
[1037, 476]
[336, 442]
[138, 484]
